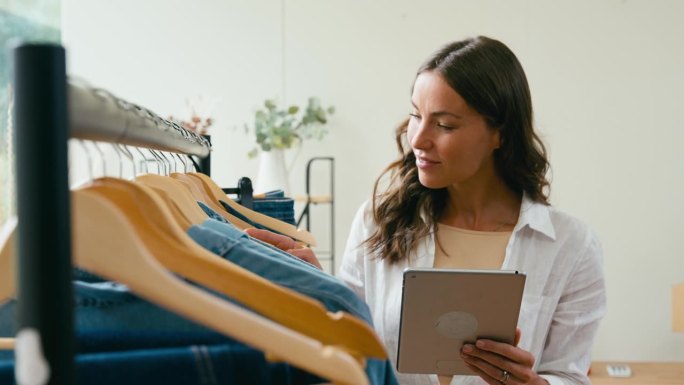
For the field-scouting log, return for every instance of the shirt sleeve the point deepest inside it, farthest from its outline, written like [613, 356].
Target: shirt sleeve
[352, 269]
[566, 357]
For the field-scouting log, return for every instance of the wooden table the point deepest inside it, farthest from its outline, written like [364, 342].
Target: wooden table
[643, 373]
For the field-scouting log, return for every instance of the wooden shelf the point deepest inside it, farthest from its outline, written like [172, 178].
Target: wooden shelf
[315, 199]
[643, 373]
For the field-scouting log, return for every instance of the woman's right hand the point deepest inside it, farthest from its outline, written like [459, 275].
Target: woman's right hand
[286, 244]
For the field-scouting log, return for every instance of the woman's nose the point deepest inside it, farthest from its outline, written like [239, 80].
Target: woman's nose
[421, 135]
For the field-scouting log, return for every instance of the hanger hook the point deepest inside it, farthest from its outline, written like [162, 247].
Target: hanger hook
[90, 163]
[156, 160]
[193, 163]
[118, 154]
[129, 155]
[161, 167]
[143, 162]
[102, 157]
[167, 164]
[173, 162]
[185, 166]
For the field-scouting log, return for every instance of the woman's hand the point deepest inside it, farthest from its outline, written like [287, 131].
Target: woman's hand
[286, 244]
[499, 363]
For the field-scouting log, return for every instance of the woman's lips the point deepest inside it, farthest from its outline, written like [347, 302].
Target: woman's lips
[424, 163]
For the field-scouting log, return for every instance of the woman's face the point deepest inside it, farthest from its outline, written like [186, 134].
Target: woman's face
[452, 143]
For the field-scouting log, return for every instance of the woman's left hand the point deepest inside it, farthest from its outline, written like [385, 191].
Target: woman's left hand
[500, 363]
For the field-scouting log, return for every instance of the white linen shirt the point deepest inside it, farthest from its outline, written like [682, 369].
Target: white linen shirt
[563, 301]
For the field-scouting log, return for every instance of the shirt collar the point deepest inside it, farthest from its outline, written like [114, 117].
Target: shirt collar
[537, 216]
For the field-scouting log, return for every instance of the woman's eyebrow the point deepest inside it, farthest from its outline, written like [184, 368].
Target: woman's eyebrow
[439, 113]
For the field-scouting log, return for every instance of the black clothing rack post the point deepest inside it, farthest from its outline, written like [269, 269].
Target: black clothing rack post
[205, 164]
[48, 110]
[244, 191]
[306, 212]
[44, 290]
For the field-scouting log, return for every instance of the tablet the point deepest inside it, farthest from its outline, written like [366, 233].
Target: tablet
[441, 309]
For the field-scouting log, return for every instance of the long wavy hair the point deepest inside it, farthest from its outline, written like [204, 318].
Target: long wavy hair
[489, 77]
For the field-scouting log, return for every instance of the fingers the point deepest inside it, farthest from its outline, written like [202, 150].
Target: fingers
[286, 244]
[280, 241]
[518, 334]
[490, 365]
[492, 358]
[307, 255]
[485, 376]
[505, 350]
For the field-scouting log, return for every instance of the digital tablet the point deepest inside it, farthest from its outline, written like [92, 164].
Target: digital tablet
[441, 309]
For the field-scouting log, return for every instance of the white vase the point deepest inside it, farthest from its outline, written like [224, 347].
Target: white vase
[273, 173]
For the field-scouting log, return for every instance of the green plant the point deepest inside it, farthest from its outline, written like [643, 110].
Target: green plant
[283, 128]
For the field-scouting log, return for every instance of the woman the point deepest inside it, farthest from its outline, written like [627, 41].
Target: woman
[471, 192]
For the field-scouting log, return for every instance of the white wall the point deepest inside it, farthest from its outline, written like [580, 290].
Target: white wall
[605, 75]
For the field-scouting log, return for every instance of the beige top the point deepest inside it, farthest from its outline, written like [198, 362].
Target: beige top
[468, 249]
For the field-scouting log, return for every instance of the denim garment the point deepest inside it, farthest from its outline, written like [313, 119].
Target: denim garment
[211, 213]
[275, 204]
[281, 208]
[214, 215]
[288, 271]
[277, 266]
[105, 307]
[288, 257]
[186, 365]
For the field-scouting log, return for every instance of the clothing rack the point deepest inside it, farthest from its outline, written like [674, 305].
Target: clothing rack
[48, 110]
[244, 192]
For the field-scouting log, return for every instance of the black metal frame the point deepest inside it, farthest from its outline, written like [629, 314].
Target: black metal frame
[306, 212]
[44, 293]
[244, 192]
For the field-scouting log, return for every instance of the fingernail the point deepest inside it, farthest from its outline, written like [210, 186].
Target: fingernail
[467, 348]
[480, 344]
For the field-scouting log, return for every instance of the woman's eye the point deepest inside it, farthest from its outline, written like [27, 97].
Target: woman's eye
[446, 126]
[414, 115]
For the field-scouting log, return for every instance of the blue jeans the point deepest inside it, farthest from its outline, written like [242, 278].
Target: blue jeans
[110, 306]
[275, 204]
[214, 215]
[288, 271]
[278, 208]
[277, 266]
[183, 365]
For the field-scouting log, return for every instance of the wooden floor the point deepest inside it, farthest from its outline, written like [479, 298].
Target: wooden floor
[643, 373]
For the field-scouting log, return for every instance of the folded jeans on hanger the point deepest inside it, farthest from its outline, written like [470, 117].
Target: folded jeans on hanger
[274, 204]
[197, 364]
[282, 268]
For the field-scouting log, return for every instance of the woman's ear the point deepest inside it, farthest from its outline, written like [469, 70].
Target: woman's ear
[497, 140]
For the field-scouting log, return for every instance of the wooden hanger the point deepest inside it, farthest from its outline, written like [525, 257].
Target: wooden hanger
[6, 343]
[7, 237]
[7, 268]
[106, 244]
[180, 254]
[200, 194]
[182, 199]
[171, 245]
[271, 223]
[179, 194]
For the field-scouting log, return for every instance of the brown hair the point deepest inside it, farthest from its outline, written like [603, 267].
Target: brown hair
[489, 77]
